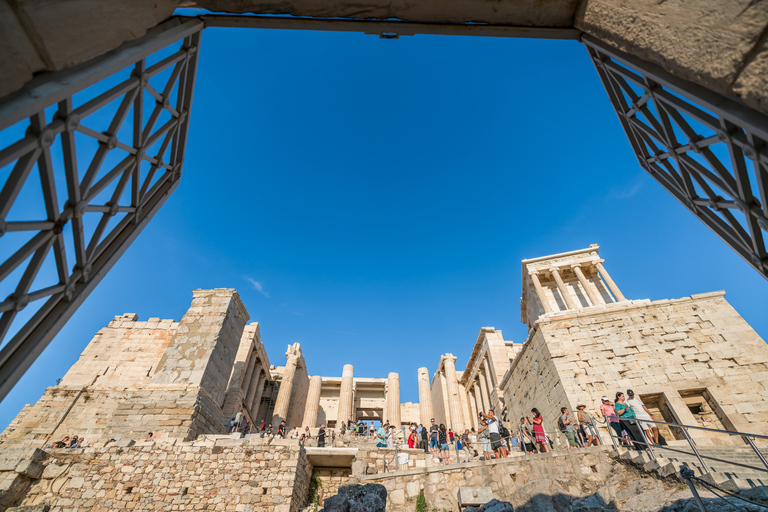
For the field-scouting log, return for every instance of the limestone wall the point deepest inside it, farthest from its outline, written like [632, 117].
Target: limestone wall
[534, 382]
[258, 475]
[669, 350]
[439, 399]
[298, 397]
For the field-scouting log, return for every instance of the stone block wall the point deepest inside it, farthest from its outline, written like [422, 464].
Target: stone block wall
[250, 475]
[671, 349]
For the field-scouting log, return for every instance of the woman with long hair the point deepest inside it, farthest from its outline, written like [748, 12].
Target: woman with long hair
[628, 420]
[538, 431]
[445, 450]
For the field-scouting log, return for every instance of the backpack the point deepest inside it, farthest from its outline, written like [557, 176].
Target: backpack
[503, 431]
[560, 424]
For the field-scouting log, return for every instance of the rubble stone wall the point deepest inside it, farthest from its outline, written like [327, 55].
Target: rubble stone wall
[253, 475]
[518, 480]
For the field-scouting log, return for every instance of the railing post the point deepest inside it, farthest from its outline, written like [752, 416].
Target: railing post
[610, 432]
[687, 474]
[397, 462]
[693, 447]
[645, 439]
[597, 432]
[752, 444]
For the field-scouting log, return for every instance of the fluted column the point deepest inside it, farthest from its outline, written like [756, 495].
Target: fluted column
[563, 290]
[607, 278]
[345, 395]
[259, 393]
[393, 399]
[589, 288]
[540, 292]
[484, 391]
[245, 380]
[472, 408]
[254, 374]
[479, 396]
[454, 402]
[284, 395]
[426, 412]
[490, 382]
[313, 401]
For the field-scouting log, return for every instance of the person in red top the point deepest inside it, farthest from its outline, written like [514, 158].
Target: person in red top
[538, 431]
[450, 436]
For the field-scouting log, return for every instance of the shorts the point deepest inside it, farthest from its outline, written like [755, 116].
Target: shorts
[571, 439]
[495, 440]
[444, 447]
[486, 444]
[433, 442]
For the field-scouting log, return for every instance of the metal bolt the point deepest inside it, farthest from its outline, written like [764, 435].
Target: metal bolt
[46, 138]
[73, 121]
[21, 303]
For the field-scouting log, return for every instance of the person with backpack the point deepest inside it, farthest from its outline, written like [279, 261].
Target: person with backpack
[564, 424]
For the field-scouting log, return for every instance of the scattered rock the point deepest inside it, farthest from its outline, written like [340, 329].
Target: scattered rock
[358, 498]
[492, 506]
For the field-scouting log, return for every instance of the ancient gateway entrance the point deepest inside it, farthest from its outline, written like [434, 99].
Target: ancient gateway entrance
[701, 133]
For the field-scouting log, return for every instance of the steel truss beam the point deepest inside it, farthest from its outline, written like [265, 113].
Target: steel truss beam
[146, 136]
[707, 150]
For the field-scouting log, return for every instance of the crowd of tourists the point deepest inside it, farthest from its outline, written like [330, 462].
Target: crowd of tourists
[627, 415]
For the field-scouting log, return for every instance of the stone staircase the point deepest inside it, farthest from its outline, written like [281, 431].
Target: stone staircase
[723, 474]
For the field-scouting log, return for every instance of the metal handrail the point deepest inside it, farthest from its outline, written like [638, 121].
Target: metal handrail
[684, 428]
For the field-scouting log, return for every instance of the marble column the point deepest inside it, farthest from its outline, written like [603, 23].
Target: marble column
[607, 278]
[454, 402]
[484, 391]
[426, 412]
[284, 395]
[490, 382]
[393, 399]
[254, 374]
[313, 401]
[472, 408]
[479, 396]
[540, 292]
[562, 288]
[245, 379]
[257, 396]
[345, 395]
[589, 288]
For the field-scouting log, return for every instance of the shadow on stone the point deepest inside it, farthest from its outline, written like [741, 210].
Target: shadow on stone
[358, 498]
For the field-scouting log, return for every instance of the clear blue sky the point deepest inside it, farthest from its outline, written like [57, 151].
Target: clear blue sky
[372, 200]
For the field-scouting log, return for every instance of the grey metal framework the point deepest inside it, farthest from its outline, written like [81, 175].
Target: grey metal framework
[707, 150]
[675, 128]
[150, 154]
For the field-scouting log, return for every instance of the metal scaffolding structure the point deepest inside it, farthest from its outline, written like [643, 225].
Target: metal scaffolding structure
[699, 145]
[709, 151]
[46, 127]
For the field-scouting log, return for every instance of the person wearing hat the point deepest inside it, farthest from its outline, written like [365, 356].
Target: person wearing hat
[586, 424]
[642, 413]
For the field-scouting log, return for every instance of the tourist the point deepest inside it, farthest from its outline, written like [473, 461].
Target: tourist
[268, 431]
[434, 444]
[485, 439]
[642, 413]
[371, 430]
[78, 443]
[149, 438]
[61, 444]
[302, 439]
[262, 427]
[586, 424]
[526, 435]
[231, 425]
[445, 449]
[493, 432]
[467, 442]
[320, 436]
[307, 432]
[412, 439]
[391, 437]
[450, 436]
[281, 430]
[381, 436]
[473, 436]
[566, 428]
[610, 416]
[628, 420]
[424, 439]
[538, 431]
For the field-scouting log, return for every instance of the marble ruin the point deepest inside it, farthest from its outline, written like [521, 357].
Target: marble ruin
[692, 360]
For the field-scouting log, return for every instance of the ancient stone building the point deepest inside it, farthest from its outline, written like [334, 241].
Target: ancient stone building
[692, 360]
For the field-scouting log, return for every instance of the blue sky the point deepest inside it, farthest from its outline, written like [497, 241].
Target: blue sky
[372, 200]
